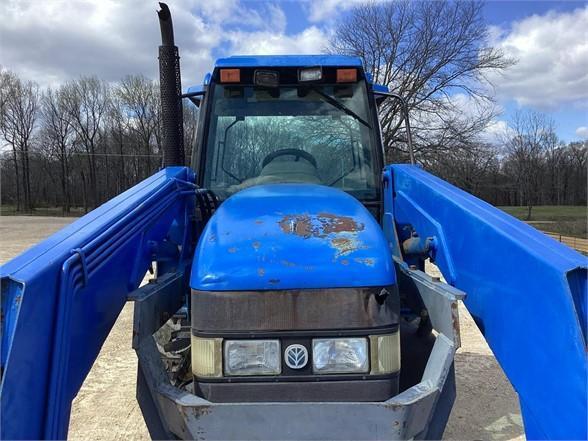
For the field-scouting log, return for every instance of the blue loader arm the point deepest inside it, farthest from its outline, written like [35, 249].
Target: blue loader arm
[526, 292]
[61, 297]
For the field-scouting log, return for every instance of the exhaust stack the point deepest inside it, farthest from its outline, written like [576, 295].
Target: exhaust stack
[171, 92]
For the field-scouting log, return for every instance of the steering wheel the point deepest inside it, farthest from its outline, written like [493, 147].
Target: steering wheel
[285, 152]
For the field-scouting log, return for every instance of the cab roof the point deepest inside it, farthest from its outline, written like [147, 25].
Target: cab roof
[288, 61]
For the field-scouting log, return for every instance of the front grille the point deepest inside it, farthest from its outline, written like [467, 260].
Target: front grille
[248, 312]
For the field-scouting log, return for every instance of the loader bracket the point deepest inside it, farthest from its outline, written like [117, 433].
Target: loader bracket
[419, 412]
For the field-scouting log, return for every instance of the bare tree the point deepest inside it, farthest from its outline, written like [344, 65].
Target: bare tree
[426, 51]
[577, 161]
[532, 135]
[468, 166]
[190, 114]
[119, 143]
[7, 80]
[553, 180]
[158, 134]
[58, 136]
[20, 105]
[137, 96]
[87, 103]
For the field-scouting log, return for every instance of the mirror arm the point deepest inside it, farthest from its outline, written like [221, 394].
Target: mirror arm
[404, 106]
[193, 94]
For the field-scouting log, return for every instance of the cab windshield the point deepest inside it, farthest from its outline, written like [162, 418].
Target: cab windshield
[320, 134]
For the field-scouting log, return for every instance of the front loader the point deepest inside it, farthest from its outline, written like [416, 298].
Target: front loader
[289, 298]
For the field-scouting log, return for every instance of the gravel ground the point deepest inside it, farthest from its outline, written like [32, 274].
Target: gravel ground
[105, 408]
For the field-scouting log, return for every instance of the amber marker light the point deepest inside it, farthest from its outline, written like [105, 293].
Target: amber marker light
[230, 75]
[346, 75]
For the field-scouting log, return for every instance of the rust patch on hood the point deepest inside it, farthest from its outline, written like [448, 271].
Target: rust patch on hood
[367, 261]
[339, 232]
[345, 245]
[338, 224]
[320, 226]
[299, 225]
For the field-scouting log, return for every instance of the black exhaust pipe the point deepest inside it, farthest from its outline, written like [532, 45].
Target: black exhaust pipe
[170, 85]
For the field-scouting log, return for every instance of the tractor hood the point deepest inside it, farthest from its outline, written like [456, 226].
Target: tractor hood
[291, 236]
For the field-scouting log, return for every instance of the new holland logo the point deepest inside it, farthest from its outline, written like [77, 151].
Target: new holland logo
[296, 356]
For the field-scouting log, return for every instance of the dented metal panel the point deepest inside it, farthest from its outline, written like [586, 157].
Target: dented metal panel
[291, 236]
[437, 297]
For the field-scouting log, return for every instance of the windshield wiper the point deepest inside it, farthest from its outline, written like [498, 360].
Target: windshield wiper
[332, 101]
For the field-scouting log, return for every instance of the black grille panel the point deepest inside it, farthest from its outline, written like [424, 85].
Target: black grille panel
[252, 312]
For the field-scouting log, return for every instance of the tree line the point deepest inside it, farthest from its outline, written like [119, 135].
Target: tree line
[81, 143]
[528, 166]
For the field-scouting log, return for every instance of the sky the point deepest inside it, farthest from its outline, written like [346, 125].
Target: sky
[51, 41]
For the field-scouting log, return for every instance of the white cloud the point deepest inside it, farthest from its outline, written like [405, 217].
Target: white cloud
[53, 41]
[328, 10]
[552, 54]
[497, 131]
[270, 18]
[582, 132]
[217, 10]
[310, 41]
[267, 16]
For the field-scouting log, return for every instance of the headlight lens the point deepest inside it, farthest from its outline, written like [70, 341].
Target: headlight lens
[252, 357]
[207, 357]
[339, 355]
[385, 353]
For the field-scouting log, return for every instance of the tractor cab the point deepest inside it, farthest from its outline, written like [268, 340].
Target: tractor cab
[306, 119]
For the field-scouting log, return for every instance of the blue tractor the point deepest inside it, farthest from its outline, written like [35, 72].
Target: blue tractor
[289, 299]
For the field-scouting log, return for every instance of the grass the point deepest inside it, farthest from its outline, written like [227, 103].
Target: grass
[570, 220]
[10, 210]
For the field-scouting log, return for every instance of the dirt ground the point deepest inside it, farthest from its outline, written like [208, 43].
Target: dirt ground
[486, 407]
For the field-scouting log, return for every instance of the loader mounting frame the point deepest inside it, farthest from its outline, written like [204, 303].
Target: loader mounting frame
[419, 412]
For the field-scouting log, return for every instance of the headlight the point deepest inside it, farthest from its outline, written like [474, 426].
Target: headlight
[385, 353]
[339, 355]
[206, 357]
[252, 357]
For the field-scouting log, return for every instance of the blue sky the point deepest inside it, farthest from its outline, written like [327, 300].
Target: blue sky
[503, 13]
[568, 118]
[56, 40]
